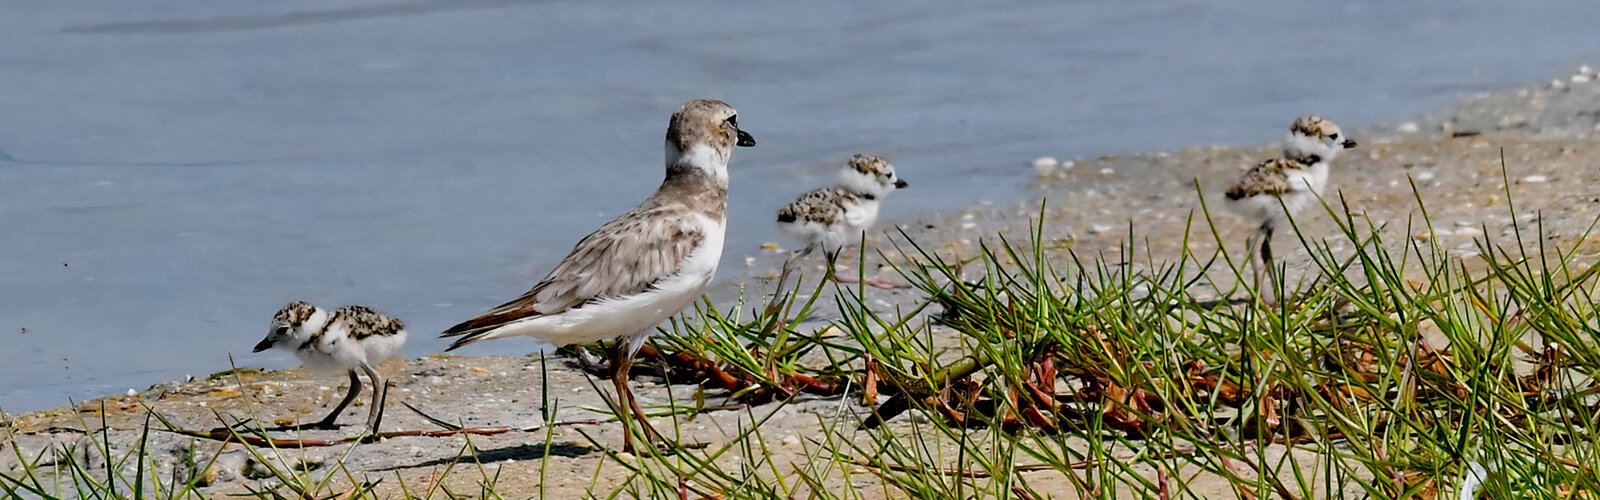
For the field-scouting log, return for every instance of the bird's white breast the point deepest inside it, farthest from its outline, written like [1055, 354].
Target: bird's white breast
[1314, 178]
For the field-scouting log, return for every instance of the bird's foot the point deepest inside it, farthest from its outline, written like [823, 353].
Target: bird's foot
[325, 425]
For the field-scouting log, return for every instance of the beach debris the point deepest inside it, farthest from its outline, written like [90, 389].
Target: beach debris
[692, 366]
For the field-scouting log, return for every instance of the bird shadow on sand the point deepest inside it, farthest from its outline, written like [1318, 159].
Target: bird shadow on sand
[521, 452]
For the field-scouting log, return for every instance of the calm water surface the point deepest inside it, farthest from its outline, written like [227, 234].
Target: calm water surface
[171, 172]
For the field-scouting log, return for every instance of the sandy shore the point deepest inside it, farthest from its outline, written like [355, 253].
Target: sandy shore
[1548, 132]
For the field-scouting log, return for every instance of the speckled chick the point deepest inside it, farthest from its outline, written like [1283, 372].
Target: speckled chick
[347, 339]
[830, 218]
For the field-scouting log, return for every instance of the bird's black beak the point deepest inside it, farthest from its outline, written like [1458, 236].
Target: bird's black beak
[901, 184]
[1349, 143]
[745, 140]
[265, 344]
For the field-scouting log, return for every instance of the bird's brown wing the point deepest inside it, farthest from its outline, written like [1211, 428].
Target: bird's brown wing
[626, 256]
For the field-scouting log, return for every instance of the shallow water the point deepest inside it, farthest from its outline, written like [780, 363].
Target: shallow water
[172, 172]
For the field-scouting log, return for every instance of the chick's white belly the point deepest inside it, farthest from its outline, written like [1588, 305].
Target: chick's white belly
[828, 238]
[337, 352]
[319, 362]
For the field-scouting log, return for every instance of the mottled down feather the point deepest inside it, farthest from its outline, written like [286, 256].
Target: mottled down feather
[823, 206]
[624, 257]
[363, 322]
[1266, 178]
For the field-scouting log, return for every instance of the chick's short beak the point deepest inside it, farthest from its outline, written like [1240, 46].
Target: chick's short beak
[1349, 143]
[265, 344]
[745, 140]
[900, 184]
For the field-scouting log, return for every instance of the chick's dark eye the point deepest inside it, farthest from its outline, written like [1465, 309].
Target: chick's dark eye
[1334, 137]
[282, 330]
[734, 120]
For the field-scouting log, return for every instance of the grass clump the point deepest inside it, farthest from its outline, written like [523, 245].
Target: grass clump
[1391, 368]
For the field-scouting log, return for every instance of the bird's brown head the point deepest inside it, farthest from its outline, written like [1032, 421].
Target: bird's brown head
[703, 132]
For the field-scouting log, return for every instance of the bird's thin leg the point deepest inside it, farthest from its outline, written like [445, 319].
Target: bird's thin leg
[622, 363]
[1267, 262]
[380, 392]
[833, 271]
[875, 282]
[779, 294]
[591, 362]
[328, 421]
[1253, 260]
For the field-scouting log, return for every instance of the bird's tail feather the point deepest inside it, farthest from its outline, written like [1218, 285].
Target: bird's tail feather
[469, 338]
[471, 331]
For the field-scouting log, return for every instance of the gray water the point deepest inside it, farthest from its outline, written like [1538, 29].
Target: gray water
[174, 171]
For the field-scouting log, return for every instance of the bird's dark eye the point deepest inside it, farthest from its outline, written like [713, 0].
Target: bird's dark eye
[734, 120]
[282, 330]
[1334, 136]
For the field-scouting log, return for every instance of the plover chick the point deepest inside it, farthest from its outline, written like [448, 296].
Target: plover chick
[832, 217]
[1276, 190]
[640, 268]
[348, 339]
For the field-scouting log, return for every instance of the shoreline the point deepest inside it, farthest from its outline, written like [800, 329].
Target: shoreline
[1548, 133]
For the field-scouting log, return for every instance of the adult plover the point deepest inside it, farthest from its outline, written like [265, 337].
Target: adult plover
[1275, 190]
[830, 218]
[347, 339]
[641, 267]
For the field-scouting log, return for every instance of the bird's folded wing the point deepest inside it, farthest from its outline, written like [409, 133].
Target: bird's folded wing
[624, 257]
[818, 205]
[1266, 178]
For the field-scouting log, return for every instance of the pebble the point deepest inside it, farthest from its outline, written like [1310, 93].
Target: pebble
[132, 392]
[1107, 171]
[1045, 165]
[791, 440]
[1532, 179]
[1581, 78]
[1425, 175]
[1099, 228]
[1409, 128]
[417, 451]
